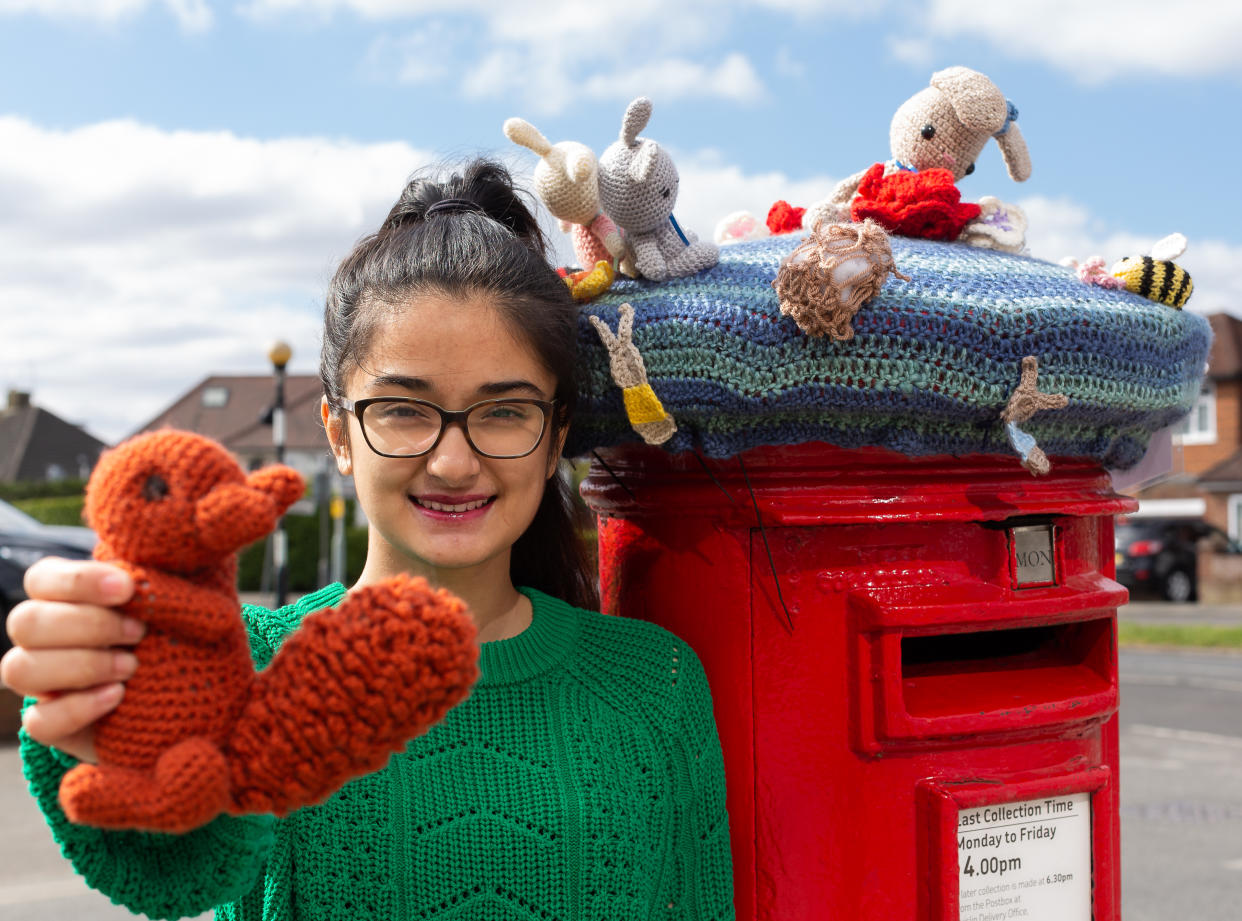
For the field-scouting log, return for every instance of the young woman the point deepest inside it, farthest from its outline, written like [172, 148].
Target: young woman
[582, 778]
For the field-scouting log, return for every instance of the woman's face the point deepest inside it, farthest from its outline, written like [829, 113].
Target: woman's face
[454, 352]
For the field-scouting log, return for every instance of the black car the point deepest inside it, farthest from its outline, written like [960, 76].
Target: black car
[23, 540]
[1160, 554]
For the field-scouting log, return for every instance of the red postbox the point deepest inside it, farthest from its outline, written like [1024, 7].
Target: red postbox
[911, 639]
[914, 668]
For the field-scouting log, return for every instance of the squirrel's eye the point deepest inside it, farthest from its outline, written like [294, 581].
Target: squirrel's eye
[928, 132]
[970, 169]
[155, 488]
[664, 193]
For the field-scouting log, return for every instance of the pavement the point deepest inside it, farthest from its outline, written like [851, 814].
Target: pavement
[1166, 612]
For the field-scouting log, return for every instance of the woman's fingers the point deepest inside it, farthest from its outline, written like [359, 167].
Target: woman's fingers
[59, 624]
[80, 581]
[40, 672]
[67, 722]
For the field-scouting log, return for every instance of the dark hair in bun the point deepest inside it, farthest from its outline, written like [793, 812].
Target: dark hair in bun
[471, 233]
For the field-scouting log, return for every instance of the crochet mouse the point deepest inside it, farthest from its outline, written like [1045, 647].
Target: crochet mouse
[943, 127]
[638, 188]
[199, 732]
[567, 181]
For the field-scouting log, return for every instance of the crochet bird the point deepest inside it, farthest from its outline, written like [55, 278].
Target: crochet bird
[199, 732]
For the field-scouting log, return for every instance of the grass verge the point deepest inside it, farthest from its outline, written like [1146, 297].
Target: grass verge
[1204, 636]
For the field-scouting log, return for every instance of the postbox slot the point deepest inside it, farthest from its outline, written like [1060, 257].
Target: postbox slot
[978, 672]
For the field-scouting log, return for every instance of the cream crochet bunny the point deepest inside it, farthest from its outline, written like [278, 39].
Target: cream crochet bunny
[638, 188]
[947, 125]
[567, 181]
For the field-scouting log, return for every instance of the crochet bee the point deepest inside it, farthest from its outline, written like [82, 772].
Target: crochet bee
[1157, 277]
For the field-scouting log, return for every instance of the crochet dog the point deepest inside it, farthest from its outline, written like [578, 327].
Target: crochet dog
[943, 127]
[638, 188]
[199, 732]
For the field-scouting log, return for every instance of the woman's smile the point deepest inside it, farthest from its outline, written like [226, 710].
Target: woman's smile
[452, 508]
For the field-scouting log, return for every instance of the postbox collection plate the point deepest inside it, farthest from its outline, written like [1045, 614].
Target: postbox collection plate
[1029, 859]
[1033, 555]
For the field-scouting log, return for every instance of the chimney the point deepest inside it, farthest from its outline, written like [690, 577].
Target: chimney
[18, 399]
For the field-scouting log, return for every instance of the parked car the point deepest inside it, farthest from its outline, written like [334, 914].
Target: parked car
[23, 540]
[1160, 555]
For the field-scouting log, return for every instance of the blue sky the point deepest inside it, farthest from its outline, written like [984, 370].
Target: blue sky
[179, 177]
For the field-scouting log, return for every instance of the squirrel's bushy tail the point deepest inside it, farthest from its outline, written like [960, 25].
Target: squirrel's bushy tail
[351, 686]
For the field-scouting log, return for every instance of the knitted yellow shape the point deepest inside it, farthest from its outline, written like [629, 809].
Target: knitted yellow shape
[642, 405]
[590, 283]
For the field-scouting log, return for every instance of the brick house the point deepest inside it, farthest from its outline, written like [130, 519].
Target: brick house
[1210, 482]
[1213, 438]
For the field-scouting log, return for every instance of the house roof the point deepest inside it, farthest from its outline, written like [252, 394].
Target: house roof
[1225, 476]
[231, 409]
[35, 442]
[1225, 359]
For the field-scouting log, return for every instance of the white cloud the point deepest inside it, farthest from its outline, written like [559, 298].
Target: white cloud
[733, 78]
[549, 53]
[1103, 39]
[916, 50]
[193, 15]
[133, 261]
[1061, 228]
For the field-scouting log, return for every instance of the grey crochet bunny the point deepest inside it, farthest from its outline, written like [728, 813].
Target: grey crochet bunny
[638, 189]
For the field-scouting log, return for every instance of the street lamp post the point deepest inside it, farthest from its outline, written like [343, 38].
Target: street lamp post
[280, 353]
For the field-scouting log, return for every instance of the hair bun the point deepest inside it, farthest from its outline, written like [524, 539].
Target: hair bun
[454, 206]
[483, 186]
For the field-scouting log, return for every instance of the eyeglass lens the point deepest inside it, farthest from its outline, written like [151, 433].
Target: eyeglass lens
[499, 429]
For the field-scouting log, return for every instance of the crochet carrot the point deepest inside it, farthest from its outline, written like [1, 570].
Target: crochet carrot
[198, 732]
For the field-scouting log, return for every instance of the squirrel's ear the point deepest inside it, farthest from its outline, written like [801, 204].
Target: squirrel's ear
[637, 114]
[524, 134]
[644, 162]
[977, 102]
[1013, 150]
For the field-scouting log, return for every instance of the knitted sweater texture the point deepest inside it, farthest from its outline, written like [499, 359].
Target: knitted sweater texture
[581, 779]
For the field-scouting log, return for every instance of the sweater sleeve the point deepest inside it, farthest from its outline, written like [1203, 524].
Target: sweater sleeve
[706, 859]
[160, 875]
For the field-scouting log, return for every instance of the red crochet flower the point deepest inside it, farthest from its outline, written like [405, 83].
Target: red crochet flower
[913, 204]
[785, 218]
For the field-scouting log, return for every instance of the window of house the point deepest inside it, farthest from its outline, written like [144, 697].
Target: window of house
[1199, 428]
[215, 396]
[1234, 504]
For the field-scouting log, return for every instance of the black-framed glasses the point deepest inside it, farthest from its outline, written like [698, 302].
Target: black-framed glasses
[406, 427]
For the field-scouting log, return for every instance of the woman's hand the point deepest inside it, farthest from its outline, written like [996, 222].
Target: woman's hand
[70, 650]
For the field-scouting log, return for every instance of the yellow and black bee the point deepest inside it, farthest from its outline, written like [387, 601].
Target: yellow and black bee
[1157, 277]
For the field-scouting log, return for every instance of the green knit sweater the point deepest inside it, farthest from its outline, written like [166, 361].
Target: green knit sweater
[581, 779]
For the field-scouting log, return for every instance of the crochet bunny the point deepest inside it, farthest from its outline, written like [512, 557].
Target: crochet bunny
[638, 188]
[199, 732]
[567, 181]
[944, 126]
[644, 409]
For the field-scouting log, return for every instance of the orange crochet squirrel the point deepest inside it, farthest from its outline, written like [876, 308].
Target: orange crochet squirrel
[199, 732]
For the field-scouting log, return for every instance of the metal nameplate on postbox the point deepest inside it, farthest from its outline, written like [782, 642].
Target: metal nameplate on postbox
[1034, 555]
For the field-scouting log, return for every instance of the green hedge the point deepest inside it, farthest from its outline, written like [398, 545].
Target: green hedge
[54, 509]
[32, 489]
[303, 534]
